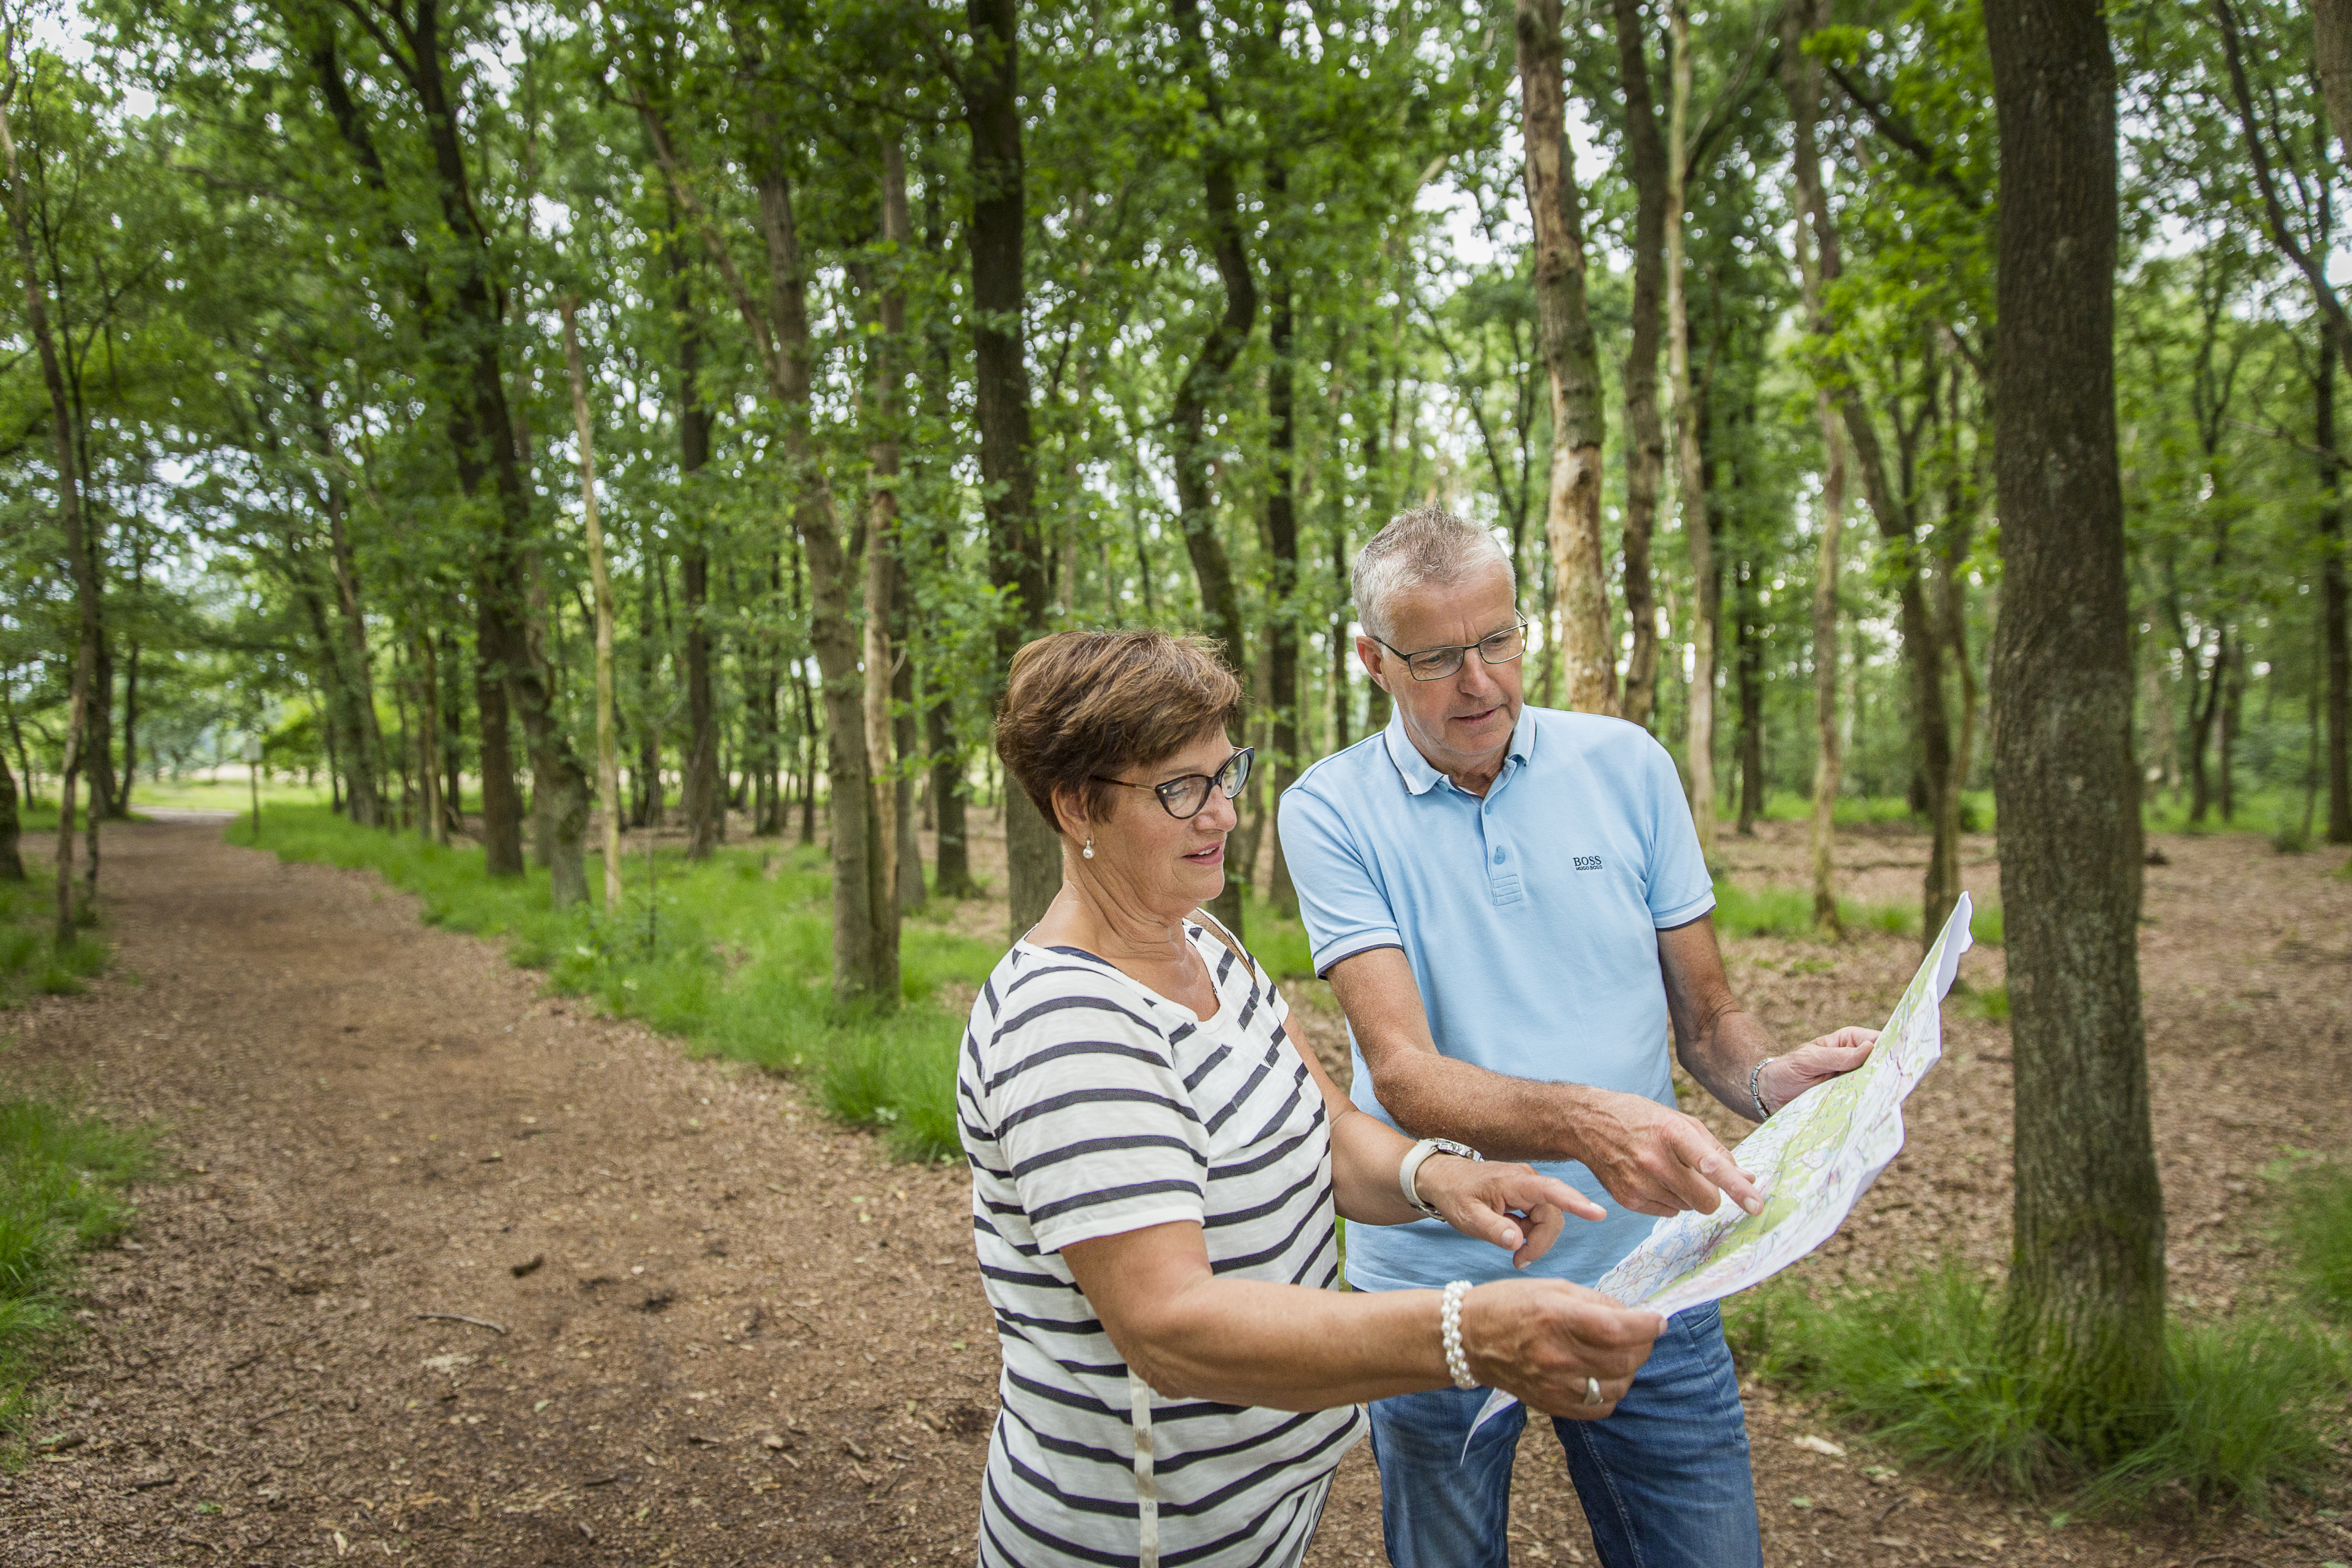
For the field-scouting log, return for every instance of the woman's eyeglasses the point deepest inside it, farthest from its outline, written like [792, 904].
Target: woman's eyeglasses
[1436, 663]
[1182, 798]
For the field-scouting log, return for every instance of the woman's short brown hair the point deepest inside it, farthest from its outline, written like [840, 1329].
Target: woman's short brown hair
[1086, 703]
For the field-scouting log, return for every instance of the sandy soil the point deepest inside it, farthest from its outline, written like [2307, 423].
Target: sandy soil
[715, 1329]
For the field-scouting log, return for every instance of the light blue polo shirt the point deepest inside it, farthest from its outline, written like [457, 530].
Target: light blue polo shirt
[1530, 919]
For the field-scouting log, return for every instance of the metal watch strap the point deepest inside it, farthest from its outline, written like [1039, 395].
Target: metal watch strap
[1419, 1155]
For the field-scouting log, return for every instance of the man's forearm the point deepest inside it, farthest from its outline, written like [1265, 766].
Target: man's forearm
[1723, 1054]
[1503, 1118]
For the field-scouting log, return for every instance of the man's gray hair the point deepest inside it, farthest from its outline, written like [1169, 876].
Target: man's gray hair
[1427, 547]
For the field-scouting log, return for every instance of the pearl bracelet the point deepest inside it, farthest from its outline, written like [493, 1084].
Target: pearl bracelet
[1449, 1328]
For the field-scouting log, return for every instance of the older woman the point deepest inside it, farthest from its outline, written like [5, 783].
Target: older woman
[1156, 1164]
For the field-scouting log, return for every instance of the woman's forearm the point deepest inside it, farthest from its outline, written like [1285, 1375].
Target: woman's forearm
[1366, 1153]
[1248, 1341]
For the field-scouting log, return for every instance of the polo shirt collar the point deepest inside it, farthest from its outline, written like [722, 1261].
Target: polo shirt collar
[1420, 778]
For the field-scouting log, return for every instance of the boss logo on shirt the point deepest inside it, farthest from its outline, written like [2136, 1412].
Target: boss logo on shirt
[1587, 862]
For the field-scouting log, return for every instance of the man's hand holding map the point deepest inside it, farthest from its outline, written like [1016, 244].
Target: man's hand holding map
[1813, 1159]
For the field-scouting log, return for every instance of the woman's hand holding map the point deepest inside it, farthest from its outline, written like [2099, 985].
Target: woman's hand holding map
[1555, 1344]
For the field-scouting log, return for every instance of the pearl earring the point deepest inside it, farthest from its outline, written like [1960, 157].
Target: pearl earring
[1090, 850]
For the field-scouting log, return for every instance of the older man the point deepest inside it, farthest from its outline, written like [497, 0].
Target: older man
[1512, 907]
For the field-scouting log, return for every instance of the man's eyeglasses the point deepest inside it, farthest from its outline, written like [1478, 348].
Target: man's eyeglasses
[1183, 797]
[1437, 663]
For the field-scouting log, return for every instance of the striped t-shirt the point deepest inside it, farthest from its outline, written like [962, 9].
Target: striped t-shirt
[1092, 1107]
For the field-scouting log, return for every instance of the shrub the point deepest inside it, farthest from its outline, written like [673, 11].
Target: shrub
[1924, 1367]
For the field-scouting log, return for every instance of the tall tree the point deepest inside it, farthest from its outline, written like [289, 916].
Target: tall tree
[2086, 1283]
[991, 82]
[1817, 254]
[1645, 441]
[1690, 489]
[608, 760]
[1571, 361]
[882, 536]
[699, 790]
[69, 496]
[1205, 383]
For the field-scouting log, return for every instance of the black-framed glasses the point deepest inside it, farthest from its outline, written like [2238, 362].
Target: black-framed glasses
[1436, 663]
[1182, 798]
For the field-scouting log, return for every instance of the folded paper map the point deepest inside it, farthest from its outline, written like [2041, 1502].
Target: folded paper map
[1813, 1159]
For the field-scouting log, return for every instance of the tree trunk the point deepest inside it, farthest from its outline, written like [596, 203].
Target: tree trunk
[501, 799]
[882, 558]
[2204, 707]
[699, 788]
[2086, 1294]
[1924, 643]
[2332, 594]
[2331, 36]
[864, 970]
[1828, 759]
[1698, 747]
[367, 736]
[1204, 383]
[130, 729]
[1747, 641]
[453, 742]
[1016, 569]
[105, 804]
[1342, 649]
[432, 821]
[1282, 541]
[906, 737]
[1645, 441]
[1820, 264]
[2232, 675]
[646, 810]
[77, 544]
[12, 864]
[608, 760]
[1572, 364]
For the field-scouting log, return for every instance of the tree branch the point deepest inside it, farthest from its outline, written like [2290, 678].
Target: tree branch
[1897, 129]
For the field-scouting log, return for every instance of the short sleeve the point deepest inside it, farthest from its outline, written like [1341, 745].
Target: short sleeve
[1094, 1123]
[1680, 889]
[1341, 903]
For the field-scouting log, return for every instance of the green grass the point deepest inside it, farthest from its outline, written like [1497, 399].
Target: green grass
[224, 794]
[733, 955]
[1778, 910]
[2318, 1234]
[1922, 1367]
[1990, 1004]
[2259, 811]
[1853, 810]
[1279, 944]
[61, 1194]
[30, 961]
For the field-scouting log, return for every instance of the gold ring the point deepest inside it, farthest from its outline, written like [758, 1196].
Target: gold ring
[1592, 1392]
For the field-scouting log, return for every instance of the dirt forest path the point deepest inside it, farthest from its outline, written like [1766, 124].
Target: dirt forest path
[735, 1333]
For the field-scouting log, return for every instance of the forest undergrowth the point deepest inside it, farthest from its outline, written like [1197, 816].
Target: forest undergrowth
[63, 1181]
[62, 1175]
[2255, 1403]
[31, 963]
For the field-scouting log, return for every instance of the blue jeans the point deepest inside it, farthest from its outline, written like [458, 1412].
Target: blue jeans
[1664, 1480]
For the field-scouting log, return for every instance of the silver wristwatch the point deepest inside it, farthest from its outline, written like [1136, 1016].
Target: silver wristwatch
[1413, 1163]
